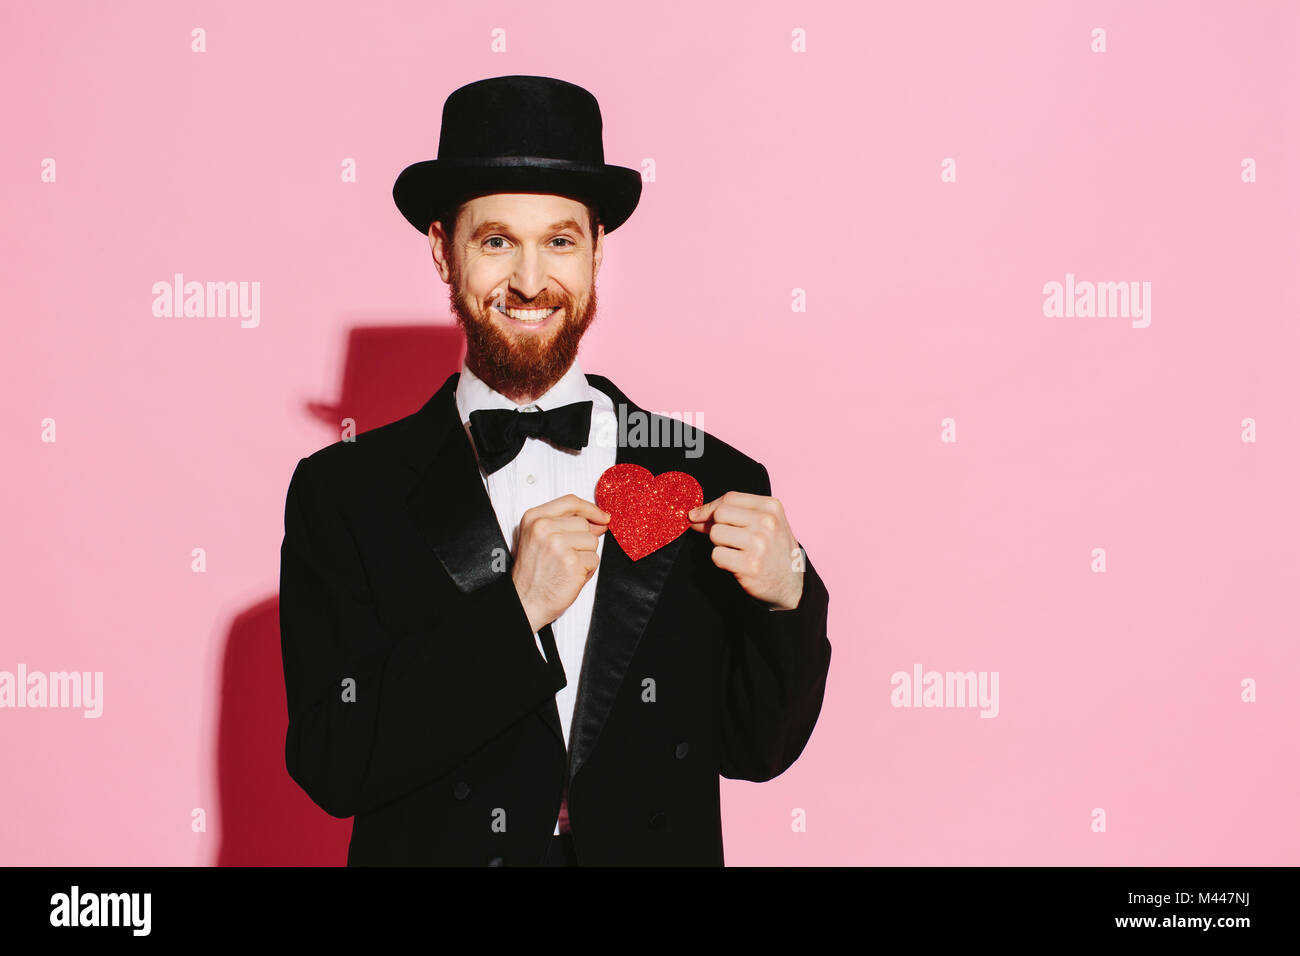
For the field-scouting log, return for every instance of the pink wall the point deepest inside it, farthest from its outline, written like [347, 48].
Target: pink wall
[775, 170]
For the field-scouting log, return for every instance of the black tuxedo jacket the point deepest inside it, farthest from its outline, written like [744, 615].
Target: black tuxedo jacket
[419, 704]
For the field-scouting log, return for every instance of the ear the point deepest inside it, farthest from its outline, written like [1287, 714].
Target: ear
[441, 250]
[599, 252]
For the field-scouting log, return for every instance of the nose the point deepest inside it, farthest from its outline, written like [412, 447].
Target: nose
[529, 278]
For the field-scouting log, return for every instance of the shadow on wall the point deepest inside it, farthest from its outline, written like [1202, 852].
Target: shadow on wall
[265, 818]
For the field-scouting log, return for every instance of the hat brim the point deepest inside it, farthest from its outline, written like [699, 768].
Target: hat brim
[426, 190]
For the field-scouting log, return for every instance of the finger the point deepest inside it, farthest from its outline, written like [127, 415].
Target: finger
[732, 499]
[579, 541]
[587, 526]
[742, 498]
[729, 559]
[544, 527]
[591, 511]
[731, 537]
[701, 516]
[745, 499]
[737, 516]
[570, 523]
[572, 505]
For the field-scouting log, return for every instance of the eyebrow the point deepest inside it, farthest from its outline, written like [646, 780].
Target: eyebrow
[494, 225]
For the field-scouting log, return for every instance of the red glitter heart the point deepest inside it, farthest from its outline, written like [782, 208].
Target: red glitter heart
[646, 512]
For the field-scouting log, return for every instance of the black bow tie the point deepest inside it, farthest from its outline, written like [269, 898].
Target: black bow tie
[499, 433]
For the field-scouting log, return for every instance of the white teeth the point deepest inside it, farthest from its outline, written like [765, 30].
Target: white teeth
[528, 315]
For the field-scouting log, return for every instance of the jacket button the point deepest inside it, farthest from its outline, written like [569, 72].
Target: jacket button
[497, 861]
[462, 790]
[658, 821]
[683, 749]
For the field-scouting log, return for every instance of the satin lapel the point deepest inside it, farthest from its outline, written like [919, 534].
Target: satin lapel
[452, 509]
[626, 594]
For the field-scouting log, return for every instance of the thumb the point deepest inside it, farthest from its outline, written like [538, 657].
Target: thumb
[699, 517]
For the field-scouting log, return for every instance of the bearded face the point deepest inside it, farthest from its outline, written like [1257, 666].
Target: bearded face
[522, 284]
[527, 354]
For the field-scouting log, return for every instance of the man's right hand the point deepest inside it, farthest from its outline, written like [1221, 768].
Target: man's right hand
[556, 555]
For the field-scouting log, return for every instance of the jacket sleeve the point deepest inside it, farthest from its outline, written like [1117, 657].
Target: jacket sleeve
[374, 714]
[775, 665]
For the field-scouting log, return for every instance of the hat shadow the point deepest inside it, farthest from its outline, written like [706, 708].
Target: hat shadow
[265, 818]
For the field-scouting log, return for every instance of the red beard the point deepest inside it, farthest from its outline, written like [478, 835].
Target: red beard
[526, 365]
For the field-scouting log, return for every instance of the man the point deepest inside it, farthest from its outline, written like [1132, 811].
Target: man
[475, 668]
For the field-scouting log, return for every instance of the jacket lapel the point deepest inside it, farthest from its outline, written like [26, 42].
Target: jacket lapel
[450, 506]
[626, 594]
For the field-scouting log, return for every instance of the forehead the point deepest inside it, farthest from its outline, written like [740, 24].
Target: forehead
[523, 211]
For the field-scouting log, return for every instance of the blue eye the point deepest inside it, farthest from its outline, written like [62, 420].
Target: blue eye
[491, 239]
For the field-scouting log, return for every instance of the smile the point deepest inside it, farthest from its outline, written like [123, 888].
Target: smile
[530, 317]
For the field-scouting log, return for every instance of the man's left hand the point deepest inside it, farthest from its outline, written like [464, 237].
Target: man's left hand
[755, 543]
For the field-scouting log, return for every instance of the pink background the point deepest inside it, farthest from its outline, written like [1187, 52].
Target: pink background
[775, 170]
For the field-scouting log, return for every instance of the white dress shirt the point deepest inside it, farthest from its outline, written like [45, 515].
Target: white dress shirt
[540, 473]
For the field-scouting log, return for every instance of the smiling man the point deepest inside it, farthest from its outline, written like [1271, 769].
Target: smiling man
[523, 290]
[476, 670]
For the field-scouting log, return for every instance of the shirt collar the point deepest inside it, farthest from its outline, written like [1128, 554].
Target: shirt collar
[472, 393]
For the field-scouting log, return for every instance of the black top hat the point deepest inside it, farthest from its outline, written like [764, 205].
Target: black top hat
[518, 134]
